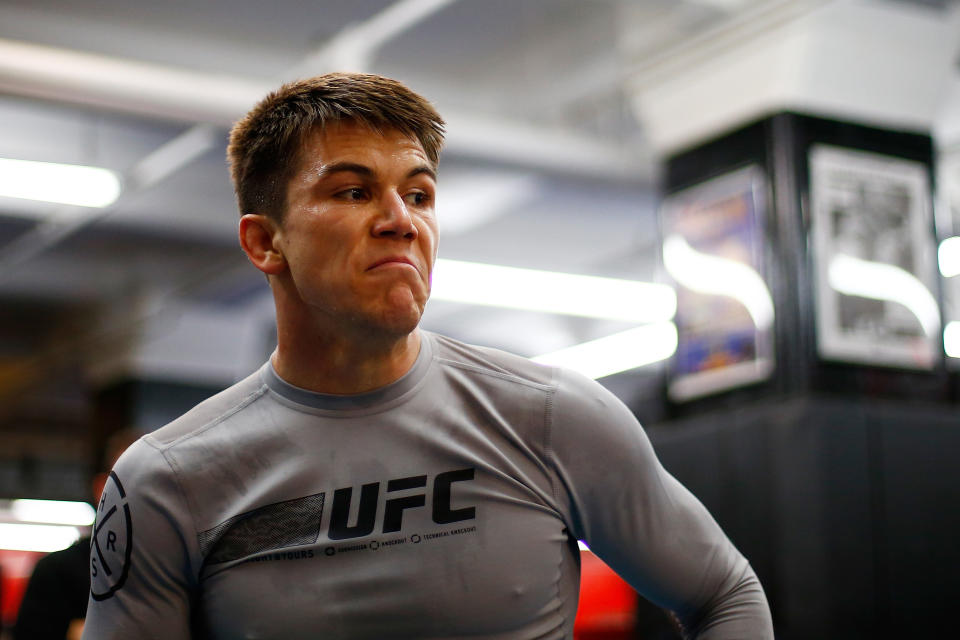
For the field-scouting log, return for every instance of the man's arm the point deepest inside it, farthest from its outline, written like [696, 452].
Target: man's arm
[646, 525]
[143, 553]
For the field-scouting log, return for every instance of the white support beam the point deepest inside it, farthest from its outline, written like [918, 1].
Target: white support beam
[353, 48]
[946, 125]
[887, 64]
[128, 86]
[539, 147]
[200, 98]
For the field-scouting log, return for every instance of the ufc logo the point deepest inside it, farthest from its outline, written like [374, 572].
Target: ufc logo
[441, 510]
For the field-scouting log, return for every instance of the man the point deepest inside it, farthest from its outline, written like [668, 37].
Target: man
[374, 480]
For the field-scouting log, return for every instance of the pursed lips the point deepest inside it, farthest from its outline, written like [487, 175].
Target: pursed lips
[393, 260]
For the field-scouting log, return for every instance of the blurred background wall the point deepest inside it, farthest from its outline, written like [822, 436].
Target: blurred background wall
[645, 142]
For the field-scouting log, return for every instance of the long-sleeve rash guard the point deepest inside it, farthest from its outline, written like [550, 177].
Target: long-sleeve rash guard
[445, 505]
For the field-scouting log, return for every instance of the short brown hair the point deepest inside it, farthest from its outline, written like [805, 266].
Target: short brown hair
[264, 145]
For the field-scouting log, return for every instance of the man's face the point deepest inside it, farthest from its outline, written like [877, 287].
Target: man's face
[359, 234]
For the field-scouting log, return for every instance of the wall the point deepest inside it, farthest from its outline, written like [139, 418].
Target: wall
[845, 507]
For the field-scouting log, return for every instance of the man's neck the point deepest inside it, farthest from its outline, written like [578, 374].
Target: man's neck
[344, 363]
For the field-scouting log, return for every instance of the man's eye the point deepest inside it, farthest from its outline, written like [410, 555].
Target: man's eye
[356, 193]
[418, 198]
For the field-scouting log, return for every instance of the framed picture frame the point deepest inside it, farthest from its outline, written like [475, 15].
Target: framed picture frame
[947, 216]
[874, 255]
[714, 252]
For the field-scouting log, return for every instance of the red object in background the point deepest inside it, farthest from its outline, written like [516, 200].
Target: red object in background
[15, 570]
[608, 604]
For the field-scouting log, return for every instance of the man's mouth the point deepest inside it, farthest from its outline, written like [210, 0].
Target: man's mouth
[399, 261]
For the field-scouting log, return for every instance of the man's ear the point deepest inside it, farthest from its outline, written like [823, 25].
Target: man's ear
[258, 234]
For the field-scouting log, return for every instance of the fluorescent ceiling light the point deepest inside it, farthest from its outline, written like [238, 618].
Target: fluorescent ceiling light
[53, 512]
[705, 273]
[619, 352]
[880, 281]
[60, 183]
[36, 537]
[951, 339]
[552, 292]
[948, 255]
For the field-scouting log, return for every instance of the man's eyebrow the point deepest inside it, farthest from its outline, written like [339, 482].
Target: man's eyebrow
[423, 170]
[365, 171]
[344, 167]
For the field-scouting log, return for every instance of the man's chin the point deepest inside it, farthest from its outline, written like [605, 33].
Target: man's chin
[390, 323]
[401, 311]
[401, 323]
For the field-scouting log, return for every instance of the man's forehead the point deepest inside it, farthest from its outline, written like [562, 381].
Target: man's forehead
[350, 138]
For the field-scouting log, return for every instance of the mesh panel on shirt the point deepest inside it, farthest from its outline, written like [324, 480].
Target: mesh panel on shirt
[275, 526]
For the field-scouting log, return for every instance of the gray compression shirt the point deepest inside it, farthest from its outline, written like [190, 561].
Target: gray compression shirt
[445, 505]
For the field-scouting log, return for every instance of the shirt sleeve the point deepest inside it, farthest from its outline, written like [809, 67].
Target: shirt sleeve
[143, 553]
[642, 522]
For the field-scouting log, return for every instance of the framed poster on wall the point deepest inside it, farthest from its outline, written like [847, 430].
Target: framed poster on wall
[948, 252]
[713, 251]
[874, 258]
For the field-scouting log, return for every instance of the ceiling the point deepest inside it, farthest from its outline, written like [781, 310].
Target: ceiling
[548, 165]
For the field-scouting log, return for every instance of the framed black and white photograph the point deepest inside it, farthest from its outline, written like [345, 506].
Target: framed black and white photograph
[713, 251]
[874, 258]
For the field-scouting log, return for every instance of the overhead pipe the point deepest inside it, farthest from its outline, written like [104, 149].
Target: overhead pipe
[194, 97]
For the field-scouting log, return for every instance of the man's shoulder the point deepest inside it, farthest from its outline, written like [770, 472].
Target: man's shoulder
[577, 393]
[487, 361]
[214, 409]
[500, 363]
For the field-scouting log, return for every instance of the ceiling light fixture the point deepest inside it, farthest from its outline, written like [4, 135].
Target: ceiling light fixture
[552, 292]
[36, 537]
[53, 512]
[948, 257]
[618, 352]
[71, 184]
[951, 339]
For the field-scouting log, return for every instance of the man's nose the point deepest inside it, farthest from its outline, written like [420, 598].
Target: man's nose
[394, 219]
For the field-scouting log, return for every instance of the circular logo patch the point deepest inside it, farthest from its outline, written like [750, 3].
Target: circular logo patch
[111, 542]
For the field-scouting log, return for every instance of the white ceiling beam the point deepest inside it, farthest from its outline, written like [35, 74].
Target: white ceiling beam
[128, 86]
[946, 126]
[355, 46]
[202, 98]
[539, 147]
[887, 64]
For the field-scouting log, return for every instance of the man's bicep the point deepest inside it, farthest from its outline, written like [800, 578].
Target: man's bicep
[141, 563]
[632, 512]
